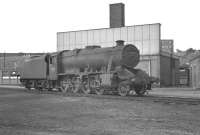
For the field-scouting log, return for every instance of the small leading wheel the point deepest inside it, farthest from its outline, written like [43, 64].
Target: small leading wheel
[123, 89]
[28, 87]
[140, 90]
[99, 91]
[39, 88]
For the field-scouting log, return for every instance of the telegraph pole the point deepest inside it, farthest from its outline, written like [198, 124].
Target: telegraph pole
[1, 67]
[4, 61]
[4, 65]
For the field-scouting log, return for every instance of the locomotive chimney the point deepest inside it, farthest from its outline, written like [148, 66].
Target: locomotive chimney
[119, 42]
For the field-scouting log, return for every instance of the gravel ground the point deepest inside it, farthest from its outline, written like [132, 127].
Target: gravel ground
[176, 92]
[33, 113]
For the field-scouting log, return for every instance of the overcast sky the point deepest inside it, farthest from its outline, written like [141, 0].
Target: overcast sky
[31, 25]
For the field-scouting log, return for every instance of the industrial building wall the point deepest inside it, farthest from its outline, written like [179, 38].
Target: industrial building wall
[7, 67]
[184, 76]
[165, 74]
[168, 70]
[167, 45]
[145, 37]
[195, 73]
[175, 72]
[163, 67]
[150, 64]
[8, 62]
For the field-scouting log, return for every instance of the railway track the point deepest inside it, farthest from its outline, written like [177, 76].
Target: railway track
[167, 100]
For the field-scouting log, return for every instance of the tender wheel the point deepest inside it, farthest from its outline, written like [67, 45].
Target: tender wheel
[76, 88]
[123, 89]
[86, 89]
[140, 90]
[65, 88]
[99, 91]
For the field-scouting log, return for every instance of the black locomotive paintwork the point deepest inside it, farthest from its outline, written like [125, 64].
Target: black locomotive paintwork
[90, 70]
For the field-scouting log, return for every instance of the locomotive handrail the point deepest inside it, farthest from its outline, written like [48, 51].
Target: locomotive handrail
[84, 73]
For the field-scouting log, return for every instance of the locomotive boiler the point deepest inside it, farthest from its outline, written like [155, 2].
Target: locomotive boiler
[91, 70]
[97, 59]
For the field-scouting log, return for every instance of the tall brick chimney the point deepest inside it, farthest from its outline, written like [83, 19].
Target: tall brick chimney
[117, 18]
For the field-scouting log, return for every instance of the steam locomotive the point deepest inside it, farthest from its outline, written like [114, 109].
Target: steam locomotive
[89, 70]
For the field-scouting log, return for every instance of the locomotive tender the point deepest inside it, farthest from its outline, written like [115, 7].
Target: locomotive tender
[90, 70]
